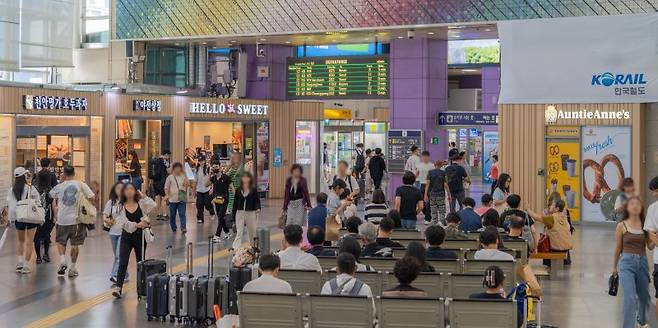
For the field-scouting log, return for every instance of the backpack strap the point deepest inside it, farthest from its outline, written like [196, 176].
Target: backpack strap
[358, 284]
[336, 289]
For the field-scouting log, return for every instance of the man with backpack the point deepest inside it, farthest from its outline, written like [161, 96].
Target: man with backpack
[352, 186]
[359, 160]
[456, 175]
[345, 283]
[45, 181]
[157, 173]
[67, 196]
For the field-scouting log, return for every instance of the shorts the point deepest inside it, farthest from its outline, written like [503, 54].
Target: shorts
[22, 226]
[158, 188]
[75, 233]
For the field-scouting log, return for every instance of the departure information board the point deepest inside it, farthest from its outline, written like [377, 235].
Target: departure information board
[338, 77]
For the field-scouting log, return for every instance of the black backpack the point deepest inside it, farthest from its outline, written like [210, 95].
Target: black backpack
[360, 159]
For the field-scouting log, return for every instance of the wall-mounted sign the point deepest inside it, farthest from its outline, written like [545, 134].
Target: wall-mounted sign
[53, 102]
[399, 145]
[466, 118]
[228, 108]
[337, 114]
[561, 131]
[147, 105]
[278, 158]
[552, 114]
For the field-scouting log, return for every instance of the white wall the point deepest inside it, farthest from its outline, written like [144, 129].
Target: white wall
[98, 65]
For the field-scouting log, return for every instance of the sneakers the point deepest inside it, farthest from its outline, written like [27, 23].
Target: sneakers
[199, 221]
[46, 258]
[62, 269]
[117, 292]
[19, 267]
[39, 260]
[26, 269]
[113, 280]
[217, 239]
[73, 273]
[184, 231]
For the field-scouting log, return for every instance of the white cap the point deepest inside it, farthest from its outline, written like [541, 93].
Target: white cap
[20, 171]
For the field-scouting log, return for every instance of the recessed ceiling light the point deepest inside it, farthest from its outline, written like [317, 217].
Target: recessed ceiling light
[430, 33]
[204, 43]
[288, 42]
[262, 39]
[180, 92]
[233, 41]
[487, 30]
[469, 70]
[177, 44]
[400, 37]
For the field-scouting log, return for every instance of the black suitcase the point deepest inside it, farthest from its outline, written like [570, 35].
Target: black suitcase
[146, 268]
[179, 289]
[157, 293]
[238, 277]
[217, 287]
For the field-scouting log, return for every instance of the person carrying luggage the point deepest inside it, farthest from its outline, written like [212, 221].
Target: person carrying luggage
[45, 181]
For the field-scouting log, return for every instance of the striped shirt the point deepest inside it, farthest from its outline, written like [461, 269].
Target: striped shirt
[376, 212]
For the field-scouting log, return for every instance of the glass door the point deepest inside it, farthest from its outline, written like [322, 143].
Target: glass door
[345, 147]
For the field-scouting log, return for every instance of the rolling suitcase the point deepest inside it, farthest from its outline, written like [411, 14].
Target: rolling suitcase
[263, 243]
[238, 277]
[157, 293]
[179, 289]
[146, 268]
[217, 287]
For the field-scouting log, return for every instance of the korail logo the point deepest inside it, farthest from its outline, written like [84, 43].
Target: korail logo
[608, 79]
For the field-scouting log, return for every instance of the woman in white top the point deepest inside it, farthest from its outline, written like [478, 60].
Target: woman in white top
[110, 214]
[501, 192]
[203, 197]
[176, 195]
[22, 189]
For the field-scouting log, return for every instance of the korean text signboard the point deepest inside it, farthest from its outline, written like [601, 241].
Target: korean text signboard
[399, 144]
[466, 118]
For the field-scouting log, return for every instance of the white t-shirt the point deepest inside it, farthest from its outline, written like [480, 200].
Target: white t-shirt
[423, 168]
[66, 194]
[492, 254]
[651, 224]
[201, 180]
[12, 201]
[294, 258]
[268, 284]
[113, 210]
[412, 163]
[350, 181]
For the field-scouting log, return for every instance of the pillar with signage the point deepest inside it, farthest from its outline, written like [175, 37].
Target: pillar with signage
[563, 162]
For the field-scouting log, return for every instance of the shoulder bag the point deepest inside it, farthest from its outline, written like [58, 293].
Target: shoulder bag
[86, 210]
[182, 194]
[30, 210]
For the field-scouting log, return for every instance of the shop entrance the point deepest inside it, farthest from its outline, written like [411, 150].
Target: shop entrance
[44, 137]
[469, 139]
[341, 138]
[147, 138]
[220, 139]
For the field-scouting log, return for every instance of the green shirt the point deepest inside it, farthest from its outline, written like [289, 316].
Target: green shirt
[235, 174]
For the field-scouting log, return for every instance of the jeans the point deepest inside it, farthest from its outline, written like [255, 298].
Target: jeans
[409, 223]
[137, 182]
[457, 197]
[115, 240]
[129, 241]
[203, 201]
[634, 279]
[180, 208]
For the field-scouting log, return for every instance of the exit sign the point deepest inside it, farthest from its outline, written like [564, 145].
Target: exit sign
[434, 141]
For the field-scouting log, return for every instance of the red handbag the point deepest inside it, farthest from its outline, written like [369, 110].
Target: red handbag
[544, 245]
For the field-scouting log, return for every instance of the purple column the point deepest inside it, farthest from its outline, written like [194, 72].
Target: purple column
[274, 86]
[490, 87]
[418, 91]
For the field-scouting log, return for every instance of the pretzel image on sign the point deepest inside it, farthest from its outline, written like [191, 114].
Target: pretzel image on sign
[600, 184]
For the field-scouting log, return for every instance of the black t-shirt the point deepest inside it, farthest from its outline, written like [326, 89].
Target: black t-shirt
[487, 296]
[220, 184]
[136, 169]
[409, 198]
[455, 174]
[437, 178]
[134, 217]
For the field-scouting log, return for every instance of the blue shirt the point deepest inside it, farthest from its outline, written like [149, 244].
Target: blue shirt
[317, 216]
[471, 221]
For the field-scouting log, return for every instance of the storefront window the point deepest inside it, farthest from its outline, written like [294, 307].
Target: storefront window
[96, 21]
[148, 138]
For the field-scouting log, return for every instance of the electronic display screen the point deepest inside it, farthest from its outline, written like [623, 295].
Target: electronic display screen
[338, 77]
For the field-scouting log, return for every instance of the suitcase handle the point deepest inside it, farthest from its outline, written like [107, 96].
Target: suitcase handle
[210, 255]
[169, 251]
[189, 258]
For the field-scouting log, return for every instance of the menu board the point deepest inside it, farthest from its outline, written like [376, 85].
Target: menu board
[338, 77]
[399, 144]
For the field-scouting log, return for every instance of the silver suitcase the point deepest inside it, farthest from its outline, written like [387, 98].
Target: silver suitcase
[179, 286]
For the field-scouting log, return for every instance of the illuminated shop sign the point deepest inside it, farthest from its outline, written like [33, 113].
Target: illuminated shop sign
[228, 108]
[147, 105]
[552, 114]
[466, 118]
[53, 102]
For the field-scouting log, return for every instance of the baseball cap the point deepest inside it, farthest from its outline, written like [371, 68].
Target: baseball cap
[20, 171]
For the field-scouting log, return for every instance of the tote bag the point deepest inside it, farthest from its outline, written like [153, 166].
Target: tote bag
[30, 210]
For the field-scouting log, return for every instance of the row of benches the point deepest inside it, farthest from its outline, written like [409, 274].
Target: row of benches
[325, 311]
[445, 285]
[386, 264]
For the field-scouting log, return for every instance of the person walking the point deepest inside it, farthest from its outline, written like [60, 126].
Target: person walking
[456, 176]
[110, 213]
[412, 164]
[408, 201]
[651, 226]
[501, 192]
[630, 263]
[296, 200]
[235, 170]
[157, 173]
[22, 189]
[203, 199]
[132, 218]
[359, 161]
[67, 198]
[494, 172]
[246, 207]
[220, 187]
[135, 170]
[366, 173]
[436, 189]
[45, 181]
[351, 183]
[424, 167]
[176, 187]
[377, 167]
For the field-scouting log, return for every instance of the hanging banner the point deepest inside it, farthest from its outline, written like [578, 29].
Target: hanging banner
[594, 59]
[490, 148]
[563, 173]
[606, 153]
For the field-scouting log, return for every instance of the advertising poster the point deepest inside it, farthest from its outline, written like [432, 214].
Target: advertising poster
[490, 147]
[263, 156]
[563, 173]
[606, 154]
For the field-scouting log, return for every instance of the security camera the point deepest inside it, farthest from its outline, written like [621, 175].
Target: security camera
[411, 34]
[260, 51]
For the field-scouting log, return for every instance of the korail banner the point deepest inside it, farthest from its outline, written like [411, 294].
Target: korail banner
[606, 161]
[598, 59]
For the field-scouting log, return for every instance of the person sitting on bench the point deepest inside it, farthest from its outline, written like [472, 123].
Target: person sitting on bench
[386, 226]
[352, 246]
[345, 283]
[489, 239]
[493, 282]
[368, 233]
[293, 257]
[406, 270]
[315, 236]
[268, 266]
[435, 235]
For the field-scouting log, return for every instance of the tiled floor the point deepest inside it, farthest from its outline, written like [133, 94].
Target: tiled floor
[576, 299]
